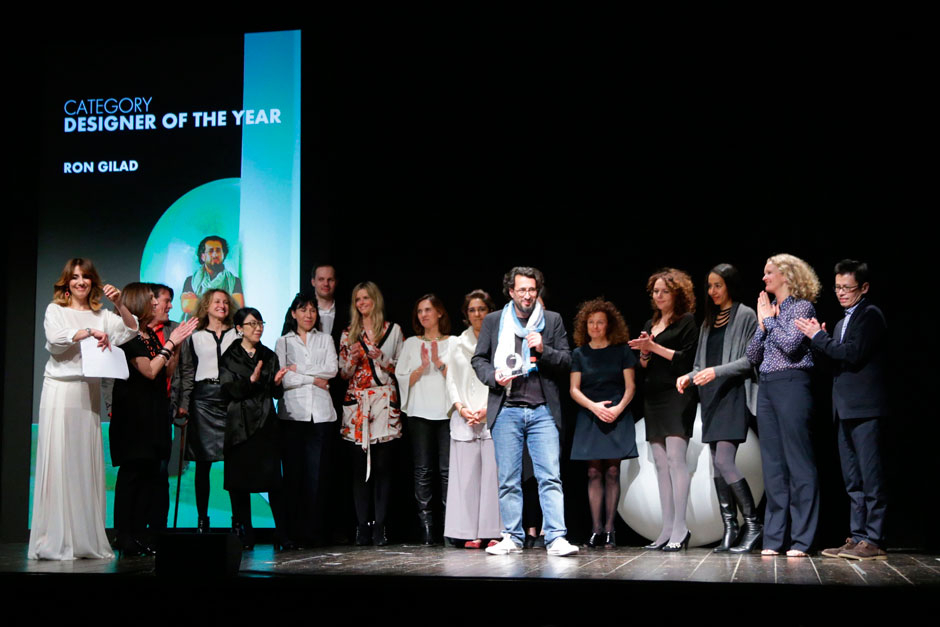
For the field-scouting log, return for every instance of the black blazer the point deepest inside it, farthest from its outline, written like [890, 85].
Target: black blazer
[555, 362]
[858, 386]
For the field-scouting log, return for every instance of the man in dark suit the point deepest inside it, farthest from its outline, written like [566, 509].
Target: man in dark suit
[857, 348]
[519, 350]
[335, 496]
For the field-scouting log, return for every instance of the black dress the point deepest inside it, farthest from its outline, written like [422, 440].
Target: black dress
[139, 439]
[252, 451]
[666, 411]
[140, 427]
[602, 380]
[724, 401]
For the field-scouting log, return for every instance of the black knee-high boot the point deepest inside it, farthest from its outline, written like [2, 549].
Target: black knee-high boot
[729, 515]
[753, 529]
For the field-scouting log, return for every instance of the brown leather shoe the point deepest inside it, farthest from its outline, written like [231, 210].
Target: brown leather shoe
[848, 546]
[865, 551]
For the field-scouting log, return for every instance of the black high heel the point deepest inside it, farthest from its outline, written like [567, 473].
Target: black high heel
[652, 546]
[673, 547]
[596, 540]
[284, 545]
[244, 534]
[610, 541]
[203, 525]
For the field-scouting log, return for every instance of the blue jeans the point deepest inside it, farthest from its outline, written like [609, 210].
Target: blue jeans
[514, 428]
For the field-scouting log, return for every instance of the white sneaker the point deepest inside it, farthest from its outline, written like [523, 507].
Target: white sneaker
[505, 546]
[561, 546]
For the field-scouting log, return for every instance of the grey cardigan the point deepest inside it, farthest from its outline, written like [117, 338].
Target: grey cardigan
[734, 362]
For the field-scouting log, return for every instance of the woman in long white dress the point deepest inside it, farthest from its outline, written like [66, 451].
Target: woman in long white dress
[69, 495]
[472, 492]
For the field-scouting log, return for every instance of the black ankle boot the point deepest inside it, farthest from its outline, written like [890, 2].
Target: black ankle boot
[729, 515]
[753, 529]
[203, 525]
[364, 534]
[378, 535]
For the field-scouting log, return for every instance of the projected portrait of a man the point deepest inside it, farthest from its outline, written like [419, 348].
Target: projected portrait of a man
[211, 275]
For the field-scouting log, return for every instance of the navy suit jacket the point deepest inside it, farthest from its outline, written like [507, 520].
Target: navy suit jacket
[858, 386]
[554, 362]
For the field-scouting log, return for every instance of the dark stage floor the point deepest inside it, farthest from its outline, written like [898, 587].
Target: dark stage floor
[532, 587]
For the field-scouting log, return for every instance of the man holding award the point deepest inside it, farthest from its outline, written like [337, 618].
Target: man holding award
[519, 351]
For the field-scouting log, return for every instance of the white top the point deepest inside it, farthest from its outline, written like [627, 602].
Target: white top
[61, 325]
[428, 398]
[465, 387]
[327, 318]
[304, 401]
[208, 350]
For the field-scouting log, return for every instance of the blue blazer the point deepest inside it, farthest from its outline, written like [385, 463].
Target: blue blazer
[555, 362]
[858, 386]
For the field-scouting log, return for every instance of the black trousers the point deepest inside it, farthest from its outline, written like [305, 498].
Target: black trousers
[784, 407]
[302, 446]
[430, 442]
[376, 491]
[241, 512]
[862, 471]
[138, 488]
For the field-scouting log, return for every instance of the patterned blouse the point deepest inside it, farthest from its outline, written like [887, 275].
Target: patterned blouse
[371, 408]
[780, 345]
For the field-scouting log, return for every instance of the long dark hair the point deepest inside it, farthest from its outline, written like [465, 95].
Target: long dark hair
[443, 324]
[729, 274]
[302, 299]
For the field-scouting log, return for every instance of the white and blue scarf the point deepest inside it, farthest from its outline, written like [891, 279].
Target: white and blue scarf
[506, 357]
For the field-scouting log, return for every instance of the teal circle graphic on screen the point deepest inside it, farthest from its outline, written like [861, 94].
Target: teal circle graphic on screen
[169, 256]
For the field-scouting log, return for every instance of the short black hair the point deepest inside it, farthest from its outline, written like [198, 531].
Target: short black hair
[509, 280]
[321, 264]
[202, 245]
[244, 312]
[852, 266]
[156, 288]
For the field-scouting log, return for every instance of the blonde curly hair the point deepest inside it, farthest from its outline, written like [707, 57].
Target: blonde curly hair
[801, 278]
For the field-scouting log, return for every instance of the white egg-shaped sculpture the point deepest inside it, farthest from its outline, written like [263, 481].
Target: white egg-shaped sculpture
[639, 491]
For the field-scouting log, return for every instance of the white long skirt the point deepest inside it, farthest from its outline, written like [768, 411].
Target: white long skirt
[69, 496]
[472, 491]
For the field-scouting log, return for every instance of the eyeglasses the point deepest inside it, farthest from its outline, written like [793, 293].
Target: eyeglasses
[848, 289]
[254, 323]
[526, 290]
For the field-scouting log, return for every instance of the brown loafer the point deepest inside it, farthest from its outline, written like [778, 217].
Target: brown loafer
[865, 551]
[848, 546]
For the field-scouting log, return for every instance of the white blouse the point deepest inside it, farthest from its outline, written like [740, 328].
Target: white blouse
[428, 397]
[208, 351]
[304, 401]
[62, 323]
[465, 387]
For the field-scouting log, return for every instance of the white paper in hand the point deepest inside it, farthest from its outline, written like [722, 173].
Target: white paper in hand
[97, 363]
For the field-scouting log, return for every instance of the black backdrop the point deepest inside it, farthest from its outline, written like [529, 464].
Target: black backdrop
[436, 158]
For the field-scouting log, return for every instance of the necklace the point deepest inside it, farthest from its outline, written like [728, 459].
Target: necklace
[722, 318]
